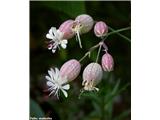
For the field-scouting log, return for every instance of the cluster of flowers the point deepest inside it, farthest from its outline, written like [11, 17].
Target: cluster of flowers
[58, 80]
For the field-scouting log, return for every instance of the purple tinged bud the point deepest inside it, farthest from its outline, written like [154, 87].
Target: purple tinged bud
[107, 62]
[100, 29]
[92, 75]
[85, 23]
[82, 24]
[66, 28]
[70, 69]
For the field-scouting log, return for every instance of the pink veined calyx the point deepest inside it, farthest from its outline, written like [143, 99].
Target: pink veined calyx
[58, 80]
[82, 24]
[92, 75]
[107, 62]
[100, 29]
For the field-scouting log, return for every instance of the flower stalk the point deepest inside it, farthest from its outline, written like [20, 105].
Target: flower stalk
[120, 30]
[101, 43]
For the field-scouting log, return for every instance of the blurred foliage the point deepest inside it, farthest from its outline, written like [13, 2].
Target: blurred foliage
[35, 109]
[112, 102]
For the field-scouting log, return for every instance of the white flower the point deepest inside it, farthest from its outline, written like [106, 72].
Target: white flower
[56, 37]
[56, 82]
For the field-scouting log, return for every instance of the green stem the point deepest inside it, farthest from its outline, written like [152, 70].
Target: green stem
[100, 43]
[88, 53]
[99, 50]
[117, 32]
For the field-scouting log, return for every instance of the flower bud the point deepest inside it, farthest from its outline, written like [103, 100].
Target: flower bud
[100, 29]
[92, 75]
[70, 69]
[66, 28]
[107, 62]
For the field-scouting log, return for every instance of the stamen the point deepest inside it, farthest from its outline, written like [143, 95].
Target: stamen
[79, 39]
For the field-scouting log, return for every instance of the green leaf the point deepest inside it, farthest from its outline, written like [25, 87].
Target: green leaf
[97, 108]
[71, 8]
[123, 115]
[35, 109]
[115, 89]
[92, 96]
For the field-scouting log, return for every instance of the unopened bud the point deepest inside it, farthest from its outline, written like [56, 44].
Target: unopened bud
[107, 62]
[100, 29]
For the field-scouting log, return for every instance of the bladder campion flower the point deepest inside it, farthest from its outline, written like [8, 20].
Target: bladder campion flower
[57, 83]
[107, 62]
[70, 69]
[66, 28]
[57, 80]
[100, 29]
[57, 39]
[82, 24]
[92, 75]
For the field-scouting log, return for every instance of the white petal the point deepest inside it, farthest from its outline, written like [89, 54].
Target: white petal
[52, 30]
[50, 74]
[51, 92]
[57, 71]
[53, 50]
[63, 80]
[63, 45]
[56, 75]
[65, 93]
[97, 89]
[64, 41]
[66, 87]
[50, 46]
[49, 36]
[48, 78]
[50, 83]
[59, 34]
[53, 72]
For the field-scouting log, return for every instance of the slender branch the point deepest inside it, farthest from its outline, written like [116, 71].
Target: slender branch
[99, 50]
[87, 53]
[102, 41]
[90, 50]
[120, 30]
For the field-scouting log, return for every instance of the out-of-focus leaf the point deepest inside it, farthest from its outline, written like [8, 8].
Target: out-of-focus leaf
[123, 88]
[113, 92]
[92, 116]
[97, 108]
[123, 115]
[63, 54]
[115, 89]
[92, 96]
[35, 110]
[72, 8]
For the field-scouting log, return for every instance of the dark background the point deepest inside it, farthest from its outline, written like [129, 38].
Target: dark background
[113, 100]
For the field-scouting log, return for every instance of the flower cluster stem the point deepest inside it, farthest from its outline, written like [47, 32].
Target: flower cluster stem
[102, 41]
[117, 32]
[99, 50]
